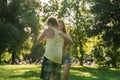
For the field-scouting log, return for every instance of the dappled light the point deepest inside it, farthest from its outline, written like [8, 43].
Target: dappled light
[88, 73]
[20, 72]
[32, 72]
[94, 27]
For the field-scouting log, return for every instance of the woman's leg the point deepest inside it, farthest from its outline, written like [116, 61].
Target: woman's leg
[66, 69]
[66, 61]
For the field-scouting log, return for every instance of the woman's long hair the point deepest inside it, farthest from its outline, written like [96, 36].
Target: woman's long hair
[64, 30]
[63, 25]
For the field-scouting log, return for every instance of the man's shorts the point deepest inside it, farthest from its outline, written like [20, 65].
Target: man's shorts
[50, 69]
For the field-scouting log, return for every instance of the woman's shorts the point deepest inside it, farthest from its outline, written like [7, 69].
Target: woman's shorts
[50, 69]
[66, 59]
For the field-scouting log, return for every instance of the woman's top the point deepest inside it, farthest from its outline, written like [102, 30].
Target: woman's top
[54, 47]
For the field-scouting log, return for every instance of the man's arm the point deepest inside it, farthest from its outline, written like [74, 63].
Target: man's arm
[42, 37]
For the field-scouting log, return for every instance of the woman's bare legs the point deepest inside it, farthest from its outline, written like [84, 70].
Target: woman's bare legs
[66, 69]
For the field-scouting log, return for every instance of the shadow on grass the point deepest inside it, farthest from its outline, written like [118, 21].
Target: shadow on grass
[89, 73]
[31, 72]
[35, 75]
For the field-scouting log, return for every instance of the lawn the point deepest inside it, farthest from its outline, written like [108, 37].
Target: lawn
[32, 72]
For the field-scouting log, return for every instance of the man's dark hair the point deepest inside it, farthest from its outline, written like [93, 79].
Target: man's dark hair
[52, 21]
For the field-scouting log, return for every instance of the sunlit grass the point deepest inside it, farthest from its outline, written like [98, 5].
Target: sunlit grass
[19, 72]
[94, 73]
[32, 72]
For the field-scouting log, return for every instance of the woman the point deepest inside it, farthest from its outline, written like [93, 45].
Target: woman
[51, 66]
[66, 60]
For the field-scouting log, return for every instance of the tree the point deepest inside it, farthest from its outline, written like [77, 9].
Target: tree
[9, 38]
[22, 14]
[80, 17]
[107, 22]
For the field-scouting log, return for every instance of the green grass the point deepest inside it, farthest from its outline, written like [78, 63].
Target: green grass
[89, 73]
[32, 72]
[19, 72]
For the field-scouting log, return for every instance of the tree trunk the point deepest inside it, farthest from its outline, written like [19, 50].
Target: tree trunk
[114, 58]
[114, 63]
[81, 60]
[13, 57]
[3, 3]
[0, 57]
[82, 53]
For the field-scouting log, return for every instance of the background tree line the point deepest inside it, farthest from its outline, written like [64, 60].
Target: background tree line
[93, 24]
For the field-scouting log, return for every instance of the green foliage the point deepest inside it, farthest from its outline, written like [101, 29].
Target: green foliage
[89, 19]
[90, 44]
[48, 9]
[9, 37]
[5, 57]
[23, 16]
[107, 14]
[77, 15]
[37, 52]
[93, 25]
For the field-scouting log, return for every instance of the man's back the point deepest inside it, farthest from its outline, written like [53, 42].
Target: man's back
[54, 47]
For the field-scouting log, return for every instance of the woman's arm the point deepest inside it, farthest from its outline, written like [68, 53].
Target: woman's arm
[67, 37]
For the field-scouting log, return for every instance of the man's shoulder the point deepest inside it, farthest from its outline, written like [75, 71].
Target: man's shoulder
[49, 32]
[49, 29]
